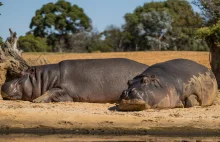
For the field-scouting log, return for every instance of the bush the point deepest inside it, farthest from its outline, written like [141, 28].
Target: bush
[30, 43]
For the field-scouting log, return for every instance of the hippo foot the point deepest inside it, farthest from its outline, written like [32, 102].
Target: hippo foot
[133, 105]
[41, 99]
[191, 101]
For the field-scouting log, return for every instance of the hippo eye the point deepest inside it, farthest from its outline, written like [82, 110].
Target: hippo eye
[129, 82]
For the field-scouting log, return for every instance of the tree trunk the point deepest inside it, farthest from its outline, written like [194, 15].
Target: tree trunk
[11, 62]
[215, 59]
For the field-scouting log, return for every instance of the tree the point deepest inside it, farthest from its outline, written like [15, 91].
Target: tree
[210, 10]
[184, 23]
[114, 38]
[96, 44]
[1, 41]
[78, 42]
[211, 31]
[1, 5]
[152, 27]
[30, 43]
[56, 21]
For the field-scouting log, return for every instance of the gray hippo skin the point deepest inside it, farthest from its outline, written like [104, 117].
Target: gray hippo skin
[92, 80]
[175, 83]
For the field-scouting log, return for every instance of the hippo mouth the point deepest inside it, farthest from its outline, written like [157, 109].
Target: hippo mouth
[5, 96]
[133, 105]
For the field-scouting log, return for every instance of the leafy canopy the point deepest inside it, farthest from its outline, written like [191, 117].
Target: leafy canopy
[30, 43]
[175, 20]
[60, 18]
[210, 10]
[211, 13]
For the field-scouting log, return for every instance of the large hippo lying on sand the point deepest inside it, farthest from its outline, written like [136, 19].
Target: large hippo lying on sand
[175, 83]
[94, 80]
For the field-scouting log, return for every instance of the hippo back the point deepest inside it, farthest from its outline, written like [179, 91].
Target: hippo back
[98, 80]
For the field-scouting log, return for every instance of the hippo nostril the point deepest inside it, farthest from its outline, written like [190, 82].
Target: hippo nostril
[124, 95]
[133, 90]
[125, 92]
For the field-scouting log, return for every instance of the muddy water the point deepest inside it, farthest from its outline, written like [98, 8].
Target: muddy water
[73, 138]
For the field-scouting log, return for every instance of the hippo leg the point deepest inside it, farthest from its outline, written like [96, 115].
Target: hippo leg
[53, 95]
[191, 101]
[180, 104]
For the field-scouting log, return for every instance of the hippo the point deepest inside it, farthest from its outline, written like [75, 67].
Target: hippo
[171, 84]
[85, 80]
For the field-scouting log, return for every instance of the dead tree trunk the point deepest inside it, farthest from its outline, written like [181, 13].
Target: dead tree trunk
[11, 62]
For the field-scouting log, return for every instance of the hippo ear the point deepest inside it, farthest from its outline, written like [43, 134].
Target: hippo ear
[31, 70]
[22, 73]
[145, 80]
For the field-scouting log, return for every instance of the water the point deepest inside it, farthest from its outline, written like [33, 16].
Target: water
[76, 138]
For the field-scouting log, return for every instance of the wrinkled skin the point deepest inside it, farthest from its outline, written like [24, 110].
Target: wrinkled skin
[175, 83]
[94, 80]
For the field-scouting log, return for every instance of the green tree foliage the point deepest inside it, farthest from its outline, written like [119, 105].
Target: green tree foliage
[115, 38]
[87, 42]
[210, 10]
[57, 20]
[30, 43]
[211, 31]
[96, 44]
[1, 41]
[152, 25]
[78, 42]
[178, 34]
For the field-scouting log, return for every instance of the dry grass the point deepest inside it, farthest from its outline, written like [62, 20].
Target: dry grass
[149, 57]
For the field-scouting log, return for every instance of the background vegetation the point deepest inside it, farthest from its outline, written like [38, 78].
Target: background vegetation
[166, 25]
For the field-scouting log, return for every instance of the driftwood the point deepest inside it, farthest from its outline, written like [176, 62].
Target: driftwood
[10, 56]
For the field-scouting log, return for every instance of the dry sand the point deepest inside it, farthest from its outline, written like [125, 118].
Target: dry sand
[89, 118]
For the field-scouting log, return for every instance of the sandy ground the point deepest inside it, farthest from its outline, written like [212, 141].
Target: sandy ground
[92, 138]
[89, 118]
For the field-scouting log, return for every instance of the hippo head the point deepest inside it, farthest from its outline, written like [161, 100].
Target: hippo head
[141, 93]
[19, 89]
